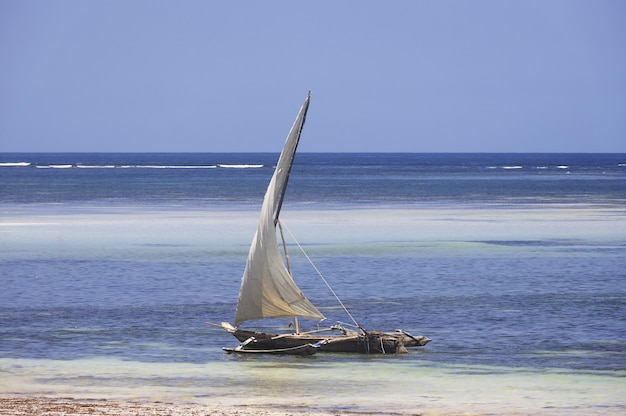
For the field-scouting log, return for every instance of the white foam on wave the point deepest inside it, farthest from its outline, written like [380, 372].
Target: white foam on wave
[244, 166]
[54, 166]
[168, 166]
[14, 164]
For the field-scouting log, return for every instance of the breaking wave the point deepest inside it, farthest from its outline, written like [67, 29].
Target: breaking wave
[10, 164]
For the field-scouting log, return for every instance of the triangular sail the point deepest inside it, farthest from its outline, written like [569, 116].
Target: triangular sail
[267, 289]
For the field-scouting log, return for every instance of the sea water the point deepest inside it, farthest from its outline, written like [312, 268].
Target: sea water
[514, 264]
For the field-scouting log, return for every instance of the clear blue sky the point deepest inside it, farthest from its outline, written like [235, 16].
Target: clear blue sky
[401, 76]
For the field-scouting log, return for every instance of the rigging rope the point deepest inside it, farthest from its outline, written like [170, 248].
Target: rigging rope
[322, 277]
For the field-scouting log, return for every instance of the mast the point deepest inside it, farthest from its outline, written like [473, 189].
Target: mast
[296, 322]
[305, 109]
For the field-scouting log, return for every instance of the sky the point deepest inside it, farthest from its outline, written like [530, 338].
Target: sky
[385, 76]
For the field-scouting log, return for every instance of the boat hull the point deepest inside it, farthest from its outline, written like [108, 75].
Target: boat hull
[373, 342]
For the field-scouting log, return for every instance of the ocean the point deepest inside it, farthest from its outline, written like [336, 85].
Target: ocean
[112, 264]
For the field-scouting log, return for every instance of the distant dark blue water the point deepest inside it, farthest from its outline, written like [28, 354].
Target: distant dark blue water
[507, 261]
[324, 179]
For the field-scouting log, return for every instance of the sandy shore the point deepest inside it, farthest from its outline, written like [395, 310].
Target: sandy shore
[42, 406]
[59, 406]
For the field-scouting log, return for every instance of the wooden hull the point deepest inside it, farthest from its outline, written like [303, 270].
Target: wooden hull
[373, 342]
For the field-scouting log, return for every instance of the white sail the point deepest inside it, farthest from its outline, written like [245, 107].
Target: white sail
[267, 289]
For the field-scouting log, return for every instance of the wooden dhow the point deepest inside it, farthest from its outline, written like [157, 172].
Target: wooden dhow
[269, 291]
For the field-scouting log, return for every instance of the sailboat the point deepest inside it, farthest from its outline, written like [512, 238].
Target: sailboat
[269, 291]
